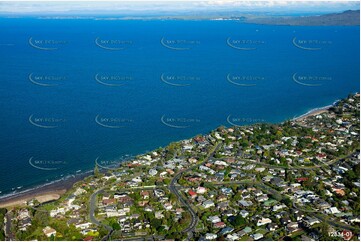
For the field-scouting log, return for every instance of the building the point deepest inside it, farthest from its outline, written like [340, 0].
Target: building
[48, 231]
[208, 204]
[263, 221]
[257, 236]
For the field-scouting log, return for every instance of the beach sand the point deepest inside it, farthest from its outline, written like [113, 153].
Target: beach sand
[54, 191]
[42, 197]
[313, 113]
[43, 194]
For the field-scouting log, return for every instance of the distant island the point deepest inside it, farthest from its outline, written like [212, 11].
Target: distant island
[346, 18]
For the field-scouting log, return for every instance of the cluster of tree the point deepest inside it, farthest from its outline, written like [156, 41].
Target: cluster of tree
[172, 150]
[2, 221]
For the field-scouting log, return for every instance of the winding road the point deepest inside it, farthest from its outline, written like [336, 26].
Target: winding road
[92, 207]
[331, 162]
[173, 188]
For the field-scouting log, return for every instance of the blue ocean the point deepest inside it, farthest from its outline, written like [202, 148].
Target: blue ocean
[75, 92]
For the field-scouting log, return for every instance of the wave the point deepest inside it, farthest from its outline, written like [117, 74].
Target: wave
[16, 192]
[315, 110]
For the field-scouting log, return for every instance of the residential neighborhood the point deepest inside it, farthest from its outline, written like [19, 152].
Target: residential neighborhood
[298, 180]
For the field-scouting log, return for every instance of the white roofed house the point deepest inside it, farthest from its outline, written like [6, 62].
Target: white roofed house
[24, 219]
[159, 215]
[57, 211]
[232, 237]
[272, 226]
[245, 203]
[83, 226]
[187, 147]
[220, 163]
[292, 227]
[244, 213]
[48, 231]
[167, 206]
[79, 191]
[257, 236]
[308, 221]
[210, 236]
[201, 190]
[214, 219]
[153, 172]
[23, 214]
[278, 207]
[208, 204]
[332, 210]
[263, 221]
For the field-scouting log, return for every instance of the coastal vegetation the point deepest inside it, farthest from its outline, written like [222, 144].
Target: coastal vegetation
[295, 180]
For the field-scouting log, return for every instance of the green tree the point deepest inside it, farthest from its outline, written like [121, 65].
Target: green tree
[238, 221]
[96, 170]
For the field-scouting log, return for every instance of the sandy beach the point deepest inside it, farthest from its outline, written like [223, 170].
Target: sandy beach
[313, 113]
[55, 190]
[43, 194]
[42, 197]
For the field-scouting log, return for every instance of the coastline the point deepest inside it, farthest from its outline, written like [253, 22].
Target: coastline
[54, 190]
[313, 112]
[44, 193]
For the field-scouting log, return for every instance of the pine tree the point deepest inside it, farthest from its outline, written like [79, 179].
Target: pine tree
[96, 170]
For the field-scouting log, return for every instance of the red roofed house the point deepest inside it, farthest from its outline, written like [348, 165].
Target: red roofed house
[108, 201]
[144, 194]
[219, 225]
[340, 192]
[192, 193]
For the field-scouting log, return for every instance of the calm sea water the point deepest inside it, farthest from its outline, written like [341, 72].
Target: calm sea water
[76, 91]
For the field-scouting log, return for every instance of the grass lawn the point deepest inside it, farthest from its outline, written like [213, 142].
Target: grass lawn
[297, 233]
[245, 238]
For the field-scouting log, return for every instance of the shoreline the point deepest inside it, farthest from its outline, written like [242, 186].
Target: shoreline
[313, 112]
[43, 193]
[54, 190]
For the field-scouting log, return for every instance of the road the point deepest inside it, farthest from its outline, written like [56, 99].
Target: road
[92, 207]
[324, 218]
[173, 188]
[279, 197]
[297, 167]
[8, 234]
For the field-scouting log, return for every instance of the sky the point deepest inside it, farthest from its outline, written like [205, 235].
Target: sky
[140, 6]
